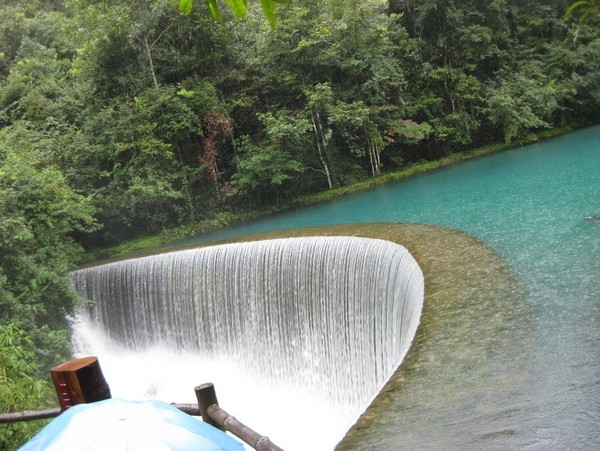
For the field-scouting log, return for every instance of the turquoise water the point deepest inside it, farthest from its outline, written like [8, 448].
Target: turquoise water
[530, 205]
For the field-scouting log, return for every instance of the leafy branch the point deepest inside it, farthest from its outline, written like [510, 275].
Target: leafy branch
[589, 7]
[238, 7]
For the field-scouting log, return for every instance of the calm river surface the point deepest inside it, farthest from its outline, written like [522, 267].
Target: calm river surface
[529, 204]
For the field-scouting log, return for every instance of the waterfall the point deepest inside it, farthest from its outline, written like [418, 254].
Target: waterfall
[326, 316]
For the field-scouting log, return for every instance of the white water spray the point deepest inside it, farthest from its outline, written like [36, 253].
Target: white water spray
[298, 335]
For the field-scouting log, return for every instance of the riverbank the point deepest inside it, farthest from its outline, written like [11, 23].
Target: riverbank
[226, 219]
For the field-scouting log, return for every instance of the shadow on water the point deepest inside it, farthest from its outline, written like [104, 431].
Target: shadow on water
[464, 381]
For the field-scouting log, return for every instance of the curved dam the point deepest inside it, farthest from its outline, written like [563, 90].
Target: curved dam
[327, 318]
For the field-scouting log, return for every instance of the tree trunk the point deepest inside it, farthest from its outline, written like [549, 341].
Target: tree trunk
[372, 151]
[150, 62]
[185, 183]
[316, 121]
[215, 171]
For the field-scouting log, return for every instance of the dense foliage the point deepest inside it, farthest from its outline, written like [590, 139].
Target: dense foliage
[124, 117]
[19, 390]
[158, 118]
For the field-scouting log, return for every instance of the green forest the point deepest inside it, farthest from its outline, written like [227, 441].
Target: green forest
[127, 118]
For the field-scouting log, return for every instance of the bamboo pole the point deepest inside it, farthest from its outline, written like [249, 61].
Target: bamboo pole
[29, 415]
[190, 409]
[207, 396]
[214, 415]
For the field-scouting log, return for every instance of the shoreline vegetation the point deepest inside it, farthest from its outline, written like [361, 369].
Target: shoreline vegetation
[228, 219]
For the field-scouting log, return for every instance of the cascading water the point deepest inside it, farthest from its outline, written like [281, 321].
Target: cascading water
[325, 320]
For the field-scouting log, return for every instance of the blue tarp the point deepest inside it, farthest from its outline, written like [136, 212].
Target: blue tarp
[115, 424]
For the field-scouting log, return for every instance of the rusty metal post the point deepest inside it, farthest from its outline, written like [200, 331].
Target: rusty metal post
[79, 381]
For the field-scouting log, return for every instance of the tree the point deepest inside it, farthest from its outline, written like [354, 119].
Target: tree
[263, 172]
[319, 101]
[520, 104]
[34, 85]
[20, 385]
[218, 130]
[39, 217]
[123, 35]
[145, 166]
[122, 118]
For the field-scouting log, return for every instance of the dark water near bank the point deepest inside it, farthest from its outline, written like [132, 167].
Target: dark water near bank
[529, 204]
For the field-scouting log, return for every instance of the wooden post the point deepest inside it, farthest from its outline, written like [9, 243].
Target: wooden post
[214, 415]
[79, 381]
